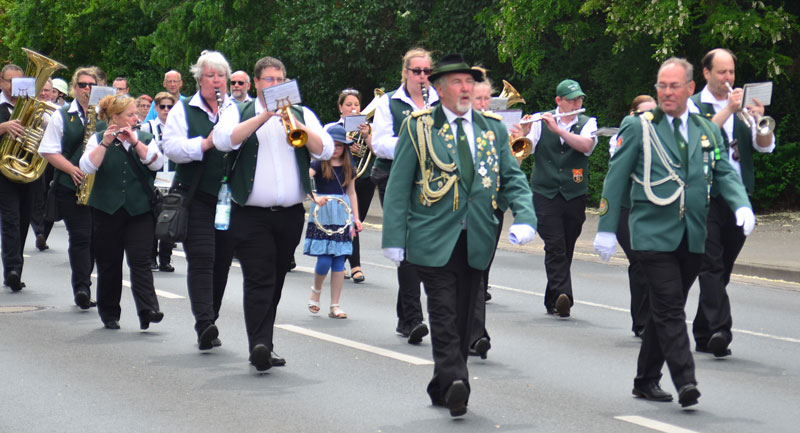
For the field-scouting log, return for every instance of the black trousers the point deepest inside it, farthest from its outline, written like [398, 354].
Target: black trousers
[39, 189]
[209, 253]
[15, 216]
[479, 316]
[409, 306]
[115, 235]
[452, 291]
[365, 190]
[637, 280]
[560, 222]
[723, 244]
[162, 250]
[265, 240]
[666, 339]
[78, 221]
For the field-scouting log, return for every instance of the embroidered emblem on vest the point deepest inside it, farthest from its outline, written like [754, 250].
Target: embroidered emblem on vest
[577, 175]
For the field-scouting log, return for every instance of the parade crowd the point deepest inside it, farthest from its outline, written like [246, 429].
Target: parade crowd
[447, 170]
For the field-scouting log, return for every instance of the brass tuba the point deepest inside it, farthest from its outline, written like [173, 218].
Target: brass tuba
[295, 136]
[510, 93]
[84, 190]
[521, 147]
[19, 157]
[364, 154]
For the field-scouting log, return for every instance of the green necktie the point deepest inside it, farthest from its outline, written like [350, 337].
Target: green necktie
[676, 128]
[464, 154]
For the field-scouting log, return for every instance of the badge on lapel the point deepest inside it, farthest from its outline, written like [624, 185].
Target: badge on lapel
[577, 175]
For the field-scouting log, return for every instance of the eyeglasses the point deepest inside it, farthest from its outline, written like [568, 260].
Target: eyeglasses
[85, 85]
[350, 92]
[417, 71]
[172, 81]
[120, 88]
[671, 86]
[238, 83]
[143, 105]
[164, 107]
[270, 80]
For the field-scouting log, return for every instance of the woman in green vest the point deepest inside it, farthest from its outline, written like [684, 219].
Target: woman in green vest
[124, 162]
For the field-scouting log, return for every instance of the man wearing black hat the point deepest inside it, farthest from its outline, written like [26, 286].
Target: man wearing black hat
[559, 184]
[451, 166]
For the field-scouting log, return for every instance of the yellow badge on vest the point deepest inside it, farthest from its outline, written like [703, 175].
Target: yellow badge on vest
[577, 175]
[603, 206]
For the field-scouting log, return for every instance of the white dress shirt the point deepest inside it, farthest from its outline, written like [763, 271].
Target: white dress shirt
[467, 125]
[588, 128]
[383, 138]
[277, 181]
[180, 148]
[54, 134]
[152, 150]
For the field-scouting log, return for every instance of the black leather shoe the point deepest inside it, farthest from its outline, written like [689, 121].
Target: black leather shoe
[13, 281]
[216, 342]
[41, 242]
[651, 391]
[149, 316]
[688, 395]
[83, 300]
[402, 331]
[638, 331]
[206, 339]
[259, 357]
[718, 345]
[417, 333]
[153, 265]
[111, 324]
[562, 305]
[480, 348]
[292, 264]
[455, 399]
[166, 267]
[276, 360]
[488, 296]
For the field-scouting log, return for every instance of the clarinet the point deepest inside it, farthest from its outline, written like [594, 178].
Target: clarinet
[424, 96]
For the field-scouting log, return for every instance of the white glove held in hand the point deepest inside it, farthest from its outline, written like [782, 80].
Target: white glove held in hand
[605, 245]
[394, 254]
[746, 220]
[520, 234]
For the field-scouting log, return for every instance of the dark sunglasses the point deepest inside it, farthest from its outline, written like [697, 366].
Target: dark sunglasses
[238, 83]
[417, 71]
[163, 106]
[85, 85]
[350, 92]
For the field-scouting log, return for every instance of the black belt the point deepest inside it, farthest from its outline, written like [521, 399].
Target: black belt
[271, 208]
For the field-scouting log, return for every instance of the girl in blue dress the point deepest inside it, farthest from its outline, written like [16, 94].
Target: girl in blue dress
[331, 227]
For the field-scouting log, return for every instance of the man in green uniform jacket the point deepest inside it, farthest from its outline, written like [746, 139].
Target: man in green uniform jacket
[451, 166]
[672, 157]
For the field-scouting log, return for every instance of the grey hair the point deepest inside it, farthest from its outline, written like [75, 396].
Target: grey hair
[680, 62]
[10, 67]
[211, 59]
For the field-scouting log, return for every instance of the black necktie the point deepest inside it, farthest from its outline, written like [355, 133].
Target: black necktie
[464, 154]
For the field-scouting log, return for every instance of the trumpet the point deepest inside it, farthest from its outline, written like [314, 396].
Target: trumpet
[537, 117]
[764, 124]
[295, 136]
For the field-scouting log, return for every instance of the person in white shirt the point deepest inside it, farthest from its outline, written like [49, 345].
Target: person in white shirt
[240, 86]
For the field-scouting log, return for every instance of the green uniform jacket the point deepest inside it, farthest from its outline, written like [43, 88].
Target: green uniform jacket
[429, 233]
[661, 228]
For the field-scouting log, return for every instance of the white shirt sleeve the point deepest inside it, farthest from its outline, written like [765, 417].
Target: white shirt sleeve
[86, 164]
[177, 146]
[588, 129]
[53, 135]
[383, 138]
[224, 129]
[153, 151]
[313, 123]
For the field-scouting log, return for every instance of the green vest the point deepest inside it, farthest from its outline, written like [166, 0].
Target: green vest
[244, 173]
[117, 185]
[400, 110]
[744, 139]
[558, 168]
[72, 144]
[200, 126]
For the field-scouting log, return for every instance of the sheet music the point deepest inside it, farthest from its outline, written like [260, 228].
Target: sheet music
[277, 95]
[510, 117]
[351, 123]
[498, 104]
[760, 91]
[100, 92]
[23, 86]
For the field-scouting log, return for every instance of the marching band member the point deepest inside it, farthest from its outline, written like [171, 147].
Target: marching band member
[673, 158]
[712, 324]
[188, 142]
[122, 209]
[349, 102]
[392, 109]
[62, 146]
[269, 182]
[559, 183]
[448, 230]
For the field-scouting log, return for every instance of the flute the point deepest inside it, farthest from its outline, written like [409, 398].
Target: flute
[537, 117]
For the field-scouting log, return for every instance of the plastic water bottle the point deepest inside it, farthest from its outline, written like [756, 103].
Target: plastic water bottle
[222, 219]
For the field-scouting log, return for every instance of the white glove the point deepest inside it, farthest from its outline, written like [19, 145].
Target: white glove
[605, 245]
[746, 220]
[394, 254]
[520, 234]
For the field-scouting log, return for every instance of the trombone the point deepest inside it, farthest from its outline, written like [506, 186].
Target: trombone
[764, 124]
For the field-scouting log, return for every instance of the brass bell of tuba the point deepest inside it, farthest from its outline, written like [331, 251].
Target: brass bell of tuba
[19, 158]
[363, 153]
[521, 147]
[510, 93]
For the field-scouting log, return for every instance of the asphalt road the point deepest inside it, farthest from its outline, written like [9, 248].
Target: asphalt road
[62, 372]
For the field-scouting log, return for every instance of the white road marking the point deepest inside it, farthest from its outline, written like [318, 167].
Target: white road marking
[356, 345]
[653, 424]
[162, 293]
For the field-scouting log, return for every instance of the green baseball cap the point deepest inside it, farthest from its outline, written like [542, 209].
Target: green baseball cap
[569, 89]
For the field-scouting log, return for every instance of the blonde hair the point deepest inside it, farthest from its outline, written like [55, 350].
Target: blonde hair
[164, 95]
[410, 54]
[86, 70]
[113, 105]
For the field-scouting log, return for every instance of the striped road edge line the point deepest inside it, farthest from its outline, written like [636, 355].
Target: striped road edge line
[653, 424]
[162, 293]
[356, 345]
